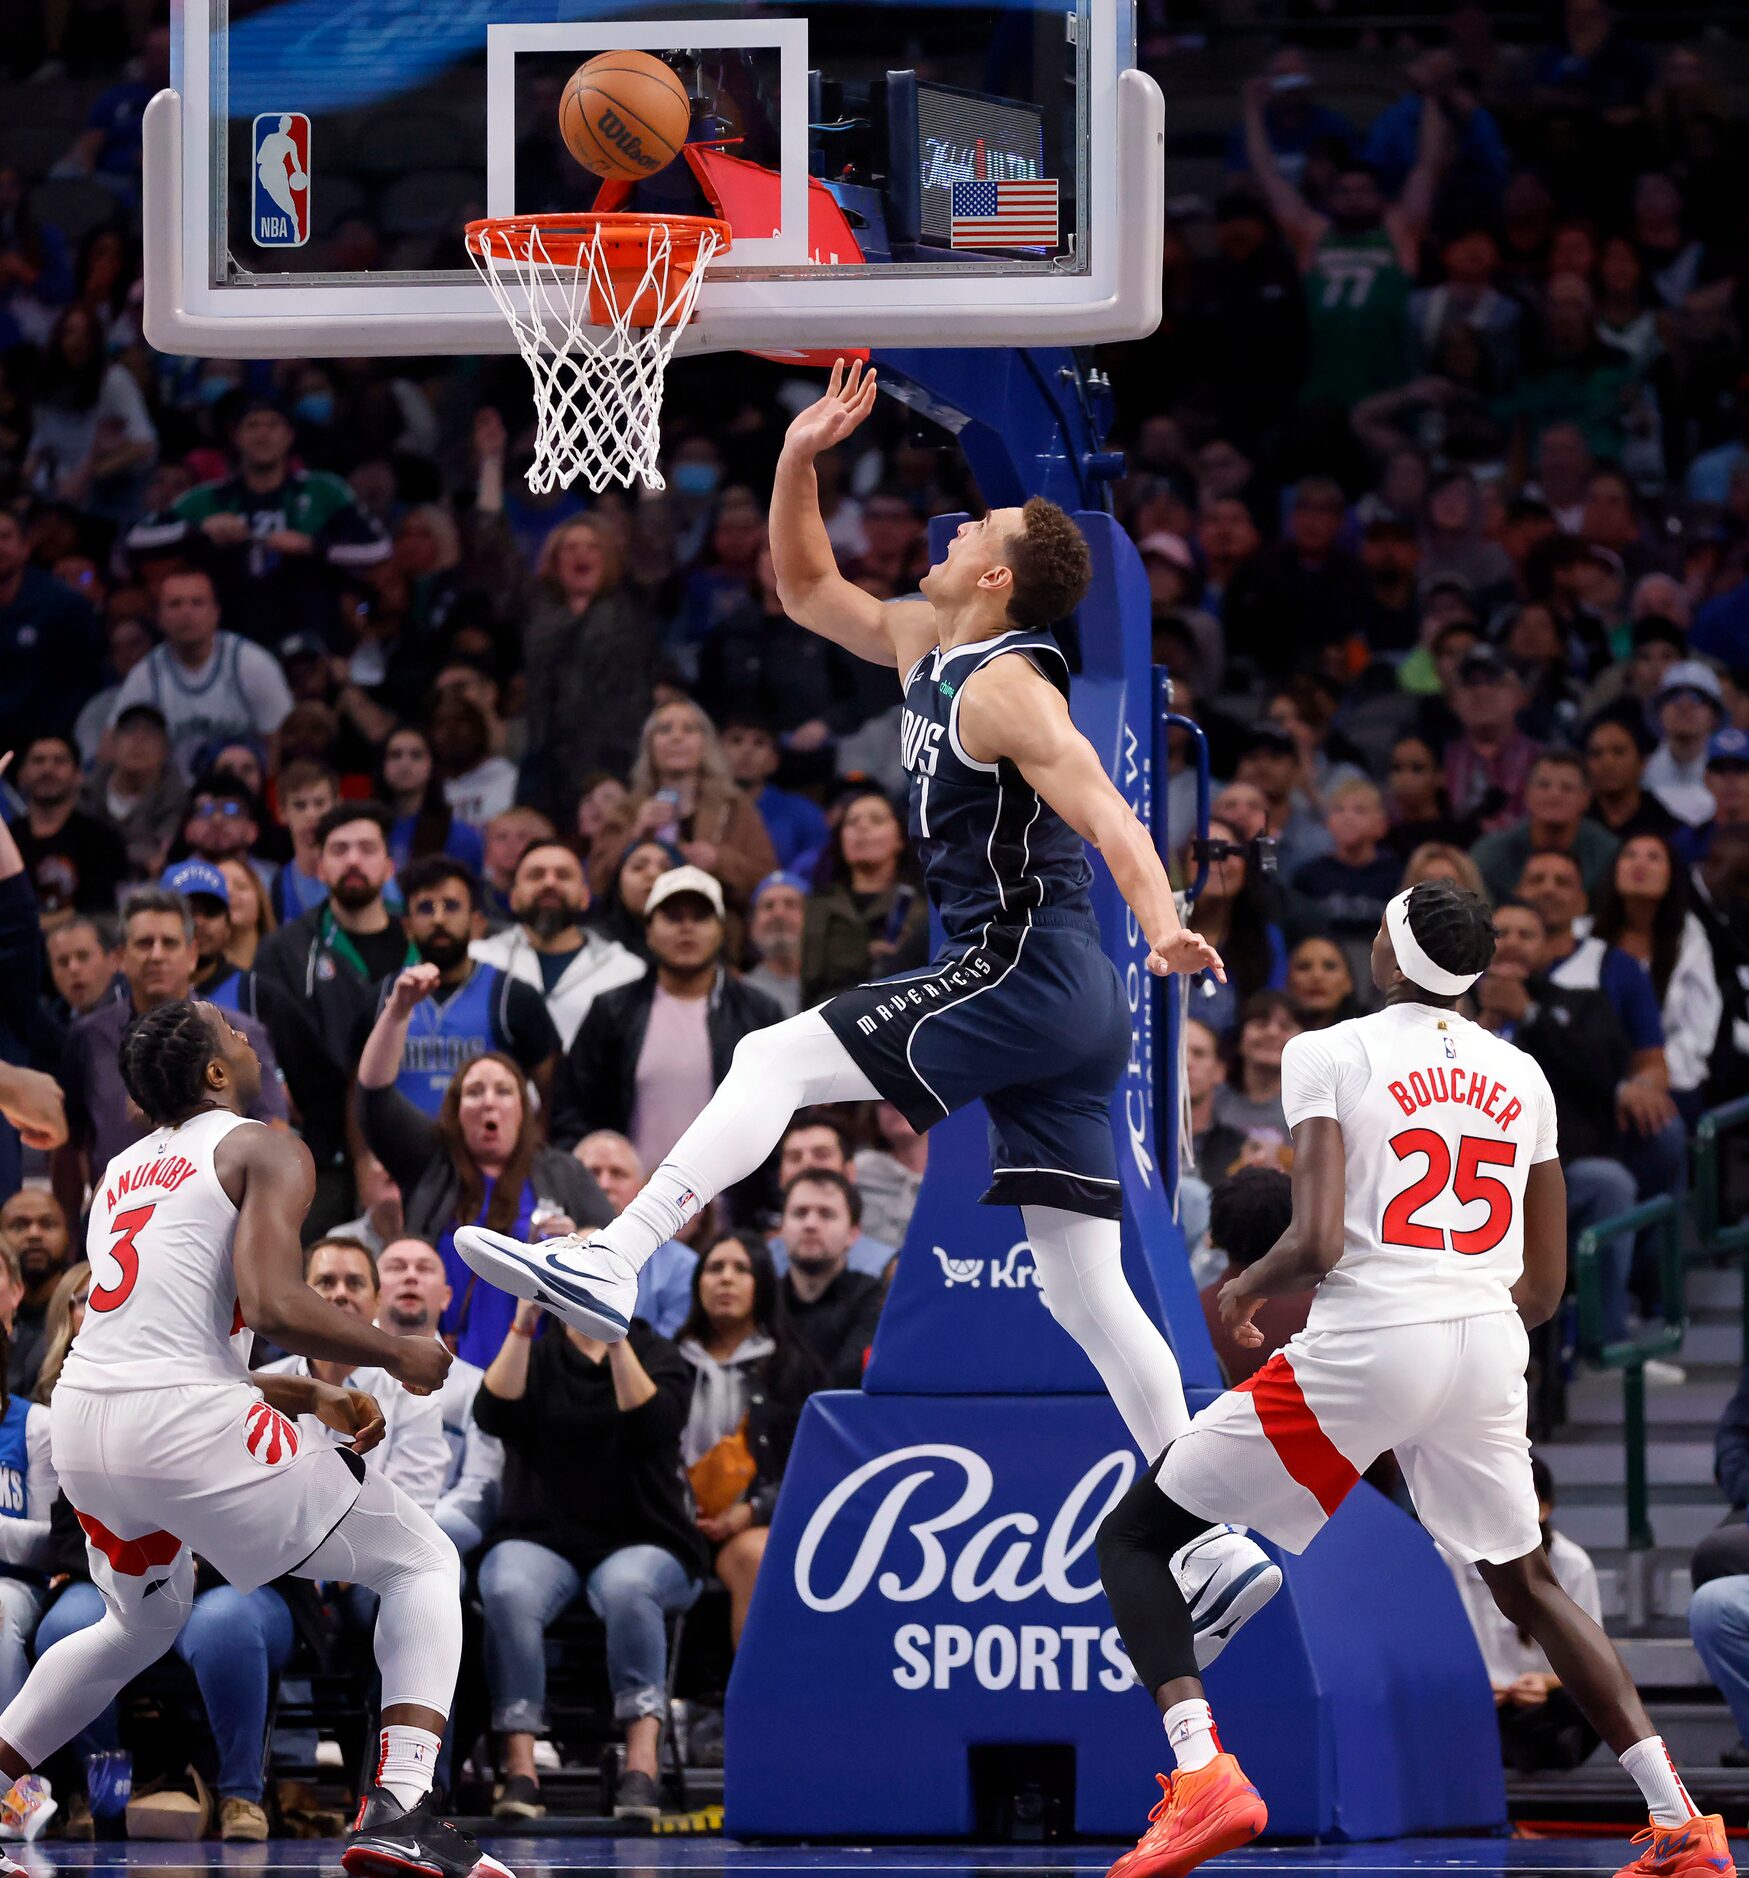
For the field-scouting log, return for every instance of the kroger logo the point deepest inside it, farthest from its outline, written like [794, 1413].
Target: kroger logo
[1015, 1271]
[1011, 1557]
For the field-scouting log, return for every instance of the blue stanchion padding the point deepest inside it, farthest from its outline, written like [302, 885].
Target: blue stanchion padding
[930, 1586]
[965, 1313]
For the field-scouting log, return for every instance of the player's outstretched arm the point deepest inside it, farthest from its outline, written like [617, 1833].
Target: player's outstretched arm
[271, 1179]
[1312, 1244]
[813, 592]
[1539, 1290]
[1008, 710]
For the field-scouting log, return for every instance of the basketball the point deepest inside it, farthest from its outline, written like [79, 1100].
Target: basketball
[624, 115]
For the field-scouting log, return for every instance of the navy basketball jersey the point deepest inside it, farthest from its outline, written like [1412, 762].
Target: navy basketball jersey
[992, 849]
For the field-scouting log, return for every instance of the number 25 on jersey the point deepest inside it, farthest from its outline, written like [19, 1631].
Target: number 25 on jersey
[1468, 1182]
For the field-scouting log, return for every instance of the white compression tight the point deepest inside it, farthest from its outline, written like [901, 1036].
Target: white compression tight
[391, 1544]
[385, 1541]
[77, 1680]
[1080, 1259]
[1080, 1265]
[776, 1071]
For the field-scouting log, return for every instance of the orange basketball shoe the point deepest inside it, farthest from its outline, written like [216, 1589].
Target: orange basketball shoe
[1199, 1815]
[1697, 1846]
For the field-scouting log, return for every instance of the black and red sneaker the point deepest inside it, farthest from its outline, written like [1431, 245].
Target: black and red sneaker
[390, 1840]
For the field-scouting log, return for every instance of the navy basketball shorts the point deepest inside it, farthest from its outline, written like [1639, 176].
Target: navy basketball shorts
[1031, 1019]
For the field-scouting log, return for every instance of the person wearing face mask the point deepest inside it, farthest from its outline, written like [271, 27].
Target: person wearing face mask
[483, 1158]
[280, 540]
[589, 648]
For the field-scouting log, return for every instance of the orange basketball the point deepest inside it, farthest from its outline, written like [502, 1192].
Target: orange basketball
[624, 115]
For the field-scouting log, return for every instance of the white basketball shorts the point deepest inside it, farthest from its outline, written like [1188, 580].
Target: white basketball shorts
[210, 1465]
[1280, 1452]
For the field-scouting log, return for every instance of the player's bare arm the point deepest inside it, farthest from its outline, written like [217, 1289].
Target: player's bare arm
[1313, 1241]
[271, 1179]
[813, 592]
[1538, 1292]
[1008, 710]
[350, 1412]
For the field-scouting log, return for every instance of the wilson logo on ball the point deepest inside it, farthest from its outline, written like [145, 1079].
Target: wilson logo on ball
[611, 128]
[269, 1437]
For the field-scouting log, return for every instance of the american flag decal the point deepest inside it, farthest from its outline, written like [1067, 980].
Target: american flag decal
[1004, 215]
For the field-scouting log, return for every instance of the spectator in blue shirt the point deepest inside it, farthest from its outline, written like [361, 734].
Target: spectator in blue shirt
[1480, 164]
[796, 825]
[108, 148]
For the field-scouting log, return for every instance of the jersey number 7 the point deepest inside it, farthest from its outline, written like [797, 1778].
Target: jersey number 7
[127, 1255]
[1468, 1183]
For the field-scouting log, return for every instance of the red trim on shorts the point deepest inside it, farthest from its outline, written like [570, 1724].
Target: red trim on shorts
[1308, 1454]
[132, 1558]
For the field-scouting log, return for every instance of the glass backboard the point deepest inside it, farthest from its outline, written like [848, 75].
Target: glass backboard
[924, 172]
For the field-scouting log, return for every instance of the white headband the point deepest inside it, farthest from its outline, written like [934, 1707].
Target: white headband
[1414, 963]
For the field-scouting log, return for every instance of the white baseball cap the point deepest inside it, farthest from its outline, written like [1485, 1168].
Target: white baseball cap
[684, 880]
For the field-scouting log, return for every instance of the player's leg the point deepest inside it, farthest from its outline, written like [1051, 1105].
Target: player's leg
[146, 1602]
[1468, 1473]
[593, 1284]
[1052, 1153]
[1593, 1674]
[1208, 1806]
[389, 1543]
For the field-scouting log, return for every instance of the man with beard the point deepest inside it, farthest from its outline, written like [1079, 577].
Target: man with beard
[33, 1225]
[1359, 261]
[548, 949]
[474, 1007]
[317, 977]
[74, 860]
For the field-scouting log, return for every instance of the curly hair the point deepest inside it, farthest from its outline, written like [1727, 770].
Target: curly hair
[1051, 565]
[164, 1054]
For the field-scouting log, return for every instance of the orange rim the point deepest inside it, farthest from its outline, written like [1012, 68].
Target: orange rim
[623, 239]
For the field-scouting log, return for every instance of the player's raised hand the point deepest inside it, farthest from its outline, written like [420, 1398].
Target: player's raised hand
[850, 396]
[419, 1364]
[350, 1412]
[415, 983]
[1186, 951]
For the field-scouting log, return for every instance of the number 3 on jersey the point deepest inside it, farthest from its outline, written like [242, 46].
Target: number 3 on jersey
[1468, 1183]
[126, 1253]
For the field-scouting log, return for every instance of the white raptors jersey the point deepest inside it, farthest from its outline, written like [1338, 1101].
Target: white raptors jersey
[1441, 1124]
[163, 1306]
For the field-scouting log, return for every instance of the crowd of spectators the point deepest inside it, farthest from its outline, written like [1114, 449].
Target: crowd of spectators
[496, 821]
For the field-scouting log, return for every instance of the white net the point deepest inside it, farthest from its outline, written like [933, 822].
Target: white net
[598, 377]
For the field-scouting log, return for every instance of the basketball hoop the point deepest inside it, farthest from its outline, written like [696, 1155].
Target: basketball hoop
[597, 304]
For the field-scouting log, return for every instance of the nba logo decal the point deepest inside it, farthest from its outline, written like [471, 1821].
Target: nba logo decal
[269, 1436]
[280, 217]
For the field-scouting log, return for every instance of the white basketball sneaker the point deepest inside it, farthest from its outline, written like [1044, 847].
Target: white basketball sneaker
[1226, 1578]
[584, 1282]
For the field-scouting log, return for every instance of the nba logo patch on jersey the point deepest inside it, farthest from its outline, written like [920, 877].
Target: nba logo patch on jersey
[280, 216]
[269, 1436]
